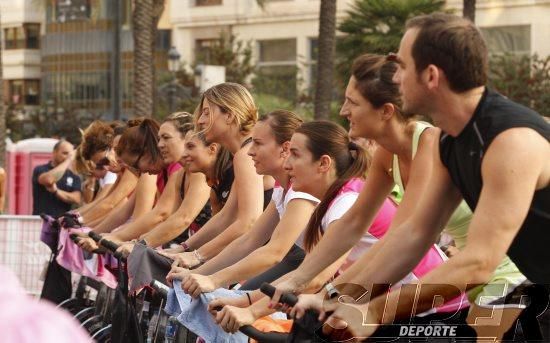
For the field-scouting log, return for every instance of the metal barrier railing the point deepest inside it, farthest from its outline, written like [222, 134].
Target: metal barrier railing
[22, 251]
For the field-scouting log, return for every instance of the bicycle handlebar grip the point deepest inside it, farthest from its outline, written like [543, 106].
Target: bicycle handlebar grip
[109, 245]
[74, 237]
[287, 298]
[266, 337]
[267, 289]
[161, 288]
[94, 235]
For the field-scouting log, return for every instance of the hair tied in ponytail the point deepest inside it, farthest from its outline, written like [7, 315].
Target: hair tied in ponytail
[353, 149]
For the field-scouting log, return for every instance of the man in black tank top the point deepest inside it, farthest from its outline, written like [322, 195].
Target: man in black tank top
[493, 153]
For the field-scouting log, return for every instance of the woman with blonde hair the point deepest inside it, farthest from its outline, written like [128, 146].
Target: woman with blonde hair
[226, 115]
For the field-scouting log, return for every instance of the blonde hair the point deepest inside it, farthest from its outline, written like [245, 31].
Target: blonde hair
[182, 121]
[231, 98]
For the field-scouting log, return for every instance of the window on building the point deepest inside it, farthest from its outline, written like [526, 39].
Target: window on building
[208, 2]
[73, 10]
[24, 92]
[277, 68]
[204, 50]
[277, 52]
[163, 41]
[508, 39]
[22, 37]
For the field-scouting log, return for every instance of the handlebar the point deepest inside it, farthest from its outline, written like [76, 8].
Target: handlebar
[260, 336]
[161, 288]
[109, 245]
[286, 298]
[95, 236]
[74, 237]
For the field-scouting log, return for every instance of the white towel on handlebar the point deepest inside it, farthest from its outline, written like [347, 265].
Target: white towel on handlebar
[194, 315]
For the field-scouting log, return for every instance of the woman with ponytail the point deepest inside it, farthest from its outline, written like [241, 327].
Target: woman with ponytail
[226, 115]
[98, 142]
[150, 149]
[404, 158]
[249, 257]
[325, 163]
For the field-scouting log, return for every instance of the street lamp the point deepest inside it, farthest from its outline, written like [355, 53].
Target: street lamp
[173, 60]
[173, 67]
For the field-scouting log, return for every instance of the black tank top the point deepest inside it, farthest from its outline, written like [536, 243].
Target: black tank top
[205, 214]
[463, 155]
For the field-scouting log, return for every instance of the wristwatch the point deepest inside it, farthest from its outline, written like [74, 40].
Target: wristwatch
[332, 292]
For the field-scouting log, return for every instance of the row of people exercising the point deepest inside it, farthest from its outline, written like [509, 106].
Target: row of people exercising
[318, 173]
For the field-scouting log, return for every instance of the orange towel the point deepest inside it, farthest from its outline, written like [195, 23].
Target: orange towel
[268, 324]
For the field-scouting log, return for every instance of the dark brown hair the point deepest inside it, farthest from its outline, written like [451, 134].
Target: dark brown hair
[140, 139]
[350, 160]
[453, 44]
[374, 77]
[98, 136]
[224, 159]
[118, 127]
[282, 123]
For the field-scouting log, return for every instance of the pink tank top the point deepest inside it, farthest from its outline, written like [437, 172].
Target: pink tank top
[162, 178]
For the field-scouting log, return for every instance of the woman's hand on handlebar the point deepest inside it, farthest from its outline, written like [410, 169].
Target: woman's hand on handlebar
[217, 303]
[126, 248]
[351, 318]
[171, 251]
[195, 284]
[112, 238]
[176, 273]
[287, 286]
[88, 244]
[309, 302]
[186, 260]
[231, 318]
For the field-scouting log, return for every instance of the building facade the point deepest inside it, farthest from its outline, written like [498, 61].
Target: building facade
[22, 22]
[284, 32]
[59, 55]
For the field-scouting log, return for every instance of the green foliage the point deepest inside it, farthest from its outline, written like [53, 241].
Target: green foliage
[228, 51]
[234, 54]
[524, 79]
[48, 121]
[376, 26]
[280, 81]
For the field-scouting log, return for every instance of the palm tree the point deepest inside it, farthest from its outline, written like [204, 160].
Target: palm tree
[325, 59]
[2, 115]
[469, 10]
[376, 26]
[145, 19]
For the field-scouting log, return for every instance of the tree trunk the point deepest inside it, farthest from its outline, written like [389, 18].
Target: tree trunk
[469, 10]
[325, 59]
[143, 23]
[3, 133]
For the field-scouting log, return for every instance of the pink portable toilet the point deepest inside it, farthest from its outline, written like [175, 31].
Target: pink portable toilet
[23, 156]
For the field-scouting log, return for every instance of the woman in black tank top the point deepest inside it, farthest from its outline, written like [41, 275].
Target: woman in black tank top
[226, 115]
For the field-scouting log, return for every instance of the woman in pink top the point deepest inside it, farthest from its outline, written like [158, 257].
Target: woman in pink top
[161, 152]
[326, 164]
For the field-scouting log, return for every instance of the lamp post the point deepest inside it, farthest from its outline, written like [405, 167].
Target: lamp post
[173, 67]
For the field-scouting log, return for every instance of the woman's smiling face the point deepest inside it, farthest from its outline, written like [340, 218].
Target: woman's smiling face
[171, 143]
[300, 165]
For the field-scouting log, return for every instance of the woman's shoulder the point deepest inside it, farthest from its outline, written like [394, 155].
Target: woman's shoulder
[173, 168]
